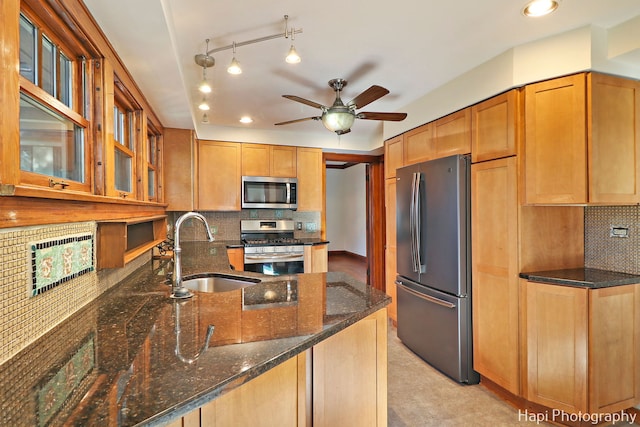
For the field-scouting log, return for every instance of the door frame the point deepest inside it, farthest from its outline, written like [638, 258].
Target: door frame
[375, 211]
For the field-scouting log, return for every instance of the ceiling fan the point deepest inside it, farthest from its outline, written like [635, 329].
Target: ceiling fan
[339, 117]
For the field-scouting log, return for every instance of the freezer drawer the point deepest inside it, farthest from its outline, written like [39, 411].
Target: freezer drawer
[437, 327]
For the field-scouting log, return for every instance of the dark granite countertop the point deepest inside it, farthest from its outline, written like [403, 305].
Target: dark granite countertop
[582, 277]
[134, 356]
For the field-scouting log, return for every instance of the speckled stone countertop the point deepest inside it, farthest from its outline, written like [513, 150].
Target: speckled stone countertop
[134, 356]
[582, 277]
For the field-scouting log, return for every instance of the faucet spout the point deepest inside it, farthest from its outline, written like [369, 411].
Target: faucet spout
[177, 290]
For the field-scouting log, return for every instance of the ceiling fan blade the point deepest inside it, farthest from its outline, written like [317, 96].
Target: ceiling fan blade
[297, 120]
[368, 96]
[393, 117]
[304, 101]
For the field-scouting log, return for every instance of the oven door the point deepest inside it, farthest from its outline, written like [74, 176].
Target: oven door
[274, 264]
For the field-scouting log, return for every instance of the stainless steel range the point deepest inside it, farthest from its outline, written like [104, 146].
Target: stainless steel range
[270, 247]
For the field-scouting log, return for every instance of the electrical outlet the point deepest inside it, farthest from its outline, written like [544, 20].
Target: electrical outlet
[298, 225]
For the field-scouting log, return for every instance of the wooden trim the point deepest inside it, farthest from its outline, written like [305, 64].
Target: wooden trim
[376, 225]
[27, 211]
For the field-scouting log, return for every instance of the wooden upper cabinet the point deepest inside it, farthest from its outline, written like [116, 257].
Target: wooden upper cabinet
[283, 161]
[555, 141]
[581, 140]
[218, 176]
[613, 109]
[452, 134]
[310, 179]
[495, 124]
[268, 160]
[418, 144]
[178, 169]
[393, 156]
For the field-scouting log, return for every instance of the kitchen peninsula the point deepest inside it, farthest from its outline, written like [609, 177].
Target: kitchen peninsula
[296, 347]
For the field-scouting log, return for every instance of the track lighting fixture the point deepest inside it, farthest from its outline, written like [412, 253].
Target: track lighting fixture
[234, 67]
[204, 60]
[204, 105]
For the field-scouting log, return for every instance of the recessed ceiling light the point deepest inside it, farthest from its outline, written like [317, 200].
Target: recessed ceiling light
[246, 119]
[538, 8]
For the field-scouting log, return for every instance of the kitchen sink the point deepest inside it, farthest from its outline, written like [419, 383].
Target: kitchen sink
[217, 282]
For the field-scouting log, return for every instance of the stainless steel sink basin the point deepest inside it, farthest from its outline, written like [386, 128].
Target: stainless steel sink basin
[216, 282]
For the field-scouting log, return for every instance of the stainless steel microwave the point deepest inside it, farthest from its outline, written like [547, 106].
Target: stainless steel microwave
[266, 192]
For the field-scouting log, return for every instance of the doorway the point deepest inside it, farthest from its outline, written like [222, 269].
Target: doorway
[374, 210]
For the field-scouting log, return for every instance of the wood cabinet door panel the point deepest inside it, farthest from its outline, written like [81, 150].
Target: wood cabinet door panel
[418, 145]
[555, 141]
[452, 134]
[393, 156]
[614, 149]
[283, 161]
[255, 160]
[310, 179]
[557, 331]
[178, 169]
[494, 225]
[494, 127]
[219, 174]
[614, 348]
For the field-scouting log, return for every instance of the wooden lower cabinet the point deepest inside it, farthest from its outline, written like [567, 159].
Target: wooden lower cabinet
[236, 258]
[316, 258]
[582, 347]
[340, 381]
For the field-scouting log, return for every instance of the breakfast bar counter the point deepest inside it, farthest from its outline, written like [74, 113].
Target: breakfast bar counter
[134, 356]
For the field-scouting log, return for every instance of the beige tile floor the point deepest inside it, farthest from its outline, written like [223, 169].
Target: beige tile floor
[420, 396]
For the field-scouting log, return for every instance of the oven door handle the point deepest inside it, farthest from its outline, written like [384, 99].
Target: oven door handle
[273, 257]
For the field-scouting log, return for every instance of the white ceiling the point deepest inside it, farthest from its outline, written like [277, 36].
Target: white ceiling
[410, 47]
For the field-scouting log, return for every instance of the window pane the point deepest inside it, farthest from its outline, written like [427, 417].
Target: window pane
[27, 50]
[48, 77]
[151, 178]
[66, 85]
[122, 171]
[152, 149]
[49, 143]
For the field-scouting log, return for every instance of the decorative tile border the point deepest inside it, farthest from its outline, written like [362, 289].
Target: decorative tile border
[56, 261]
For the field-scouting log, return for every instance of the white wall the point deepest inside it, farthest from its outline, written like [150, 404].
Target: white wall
[346, 210]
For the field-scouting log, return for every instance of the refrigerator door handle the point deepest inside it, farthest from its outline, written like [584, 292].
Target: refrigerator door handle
[428, 298]
[412, 223]
[418, 266]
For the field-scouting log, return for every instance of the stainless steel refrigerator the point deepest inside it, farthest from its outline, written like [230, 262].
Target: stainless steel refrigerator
[434, 270]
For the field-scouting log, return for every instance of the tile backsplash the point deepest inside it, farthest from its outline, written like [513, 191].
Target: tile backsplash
[607, 252]
[25, 318]
[227, 224]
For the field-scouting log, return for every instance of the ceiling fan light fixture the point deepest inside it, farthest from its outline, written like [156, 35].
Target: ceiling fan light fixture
[338, 121]
[538, 8]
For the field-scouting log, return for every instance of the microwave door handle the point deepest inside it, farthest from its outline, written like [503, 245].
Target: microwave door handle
[288, 185]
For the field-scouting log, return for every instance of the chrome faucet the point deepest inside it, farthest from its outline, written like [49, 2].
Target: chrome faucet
[177, 290]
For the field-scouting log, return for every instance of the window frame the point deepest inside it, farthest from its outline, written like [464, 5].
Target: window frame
[77, 113]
